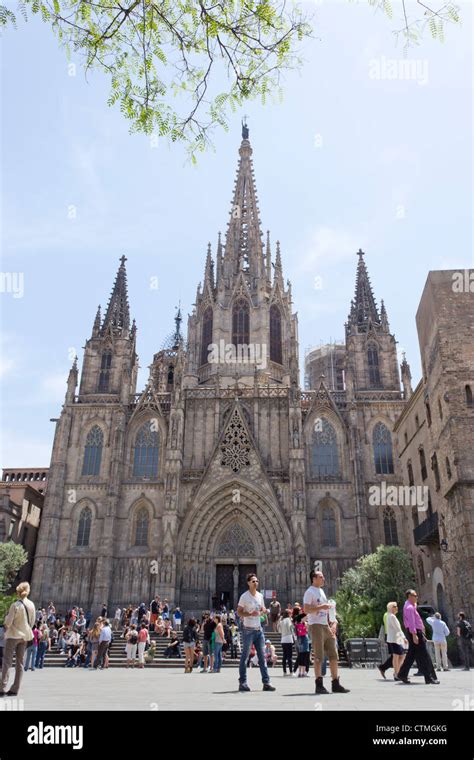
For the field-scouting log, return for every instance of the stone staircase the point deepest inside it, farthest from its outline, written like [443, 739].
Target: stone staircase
[117, 655]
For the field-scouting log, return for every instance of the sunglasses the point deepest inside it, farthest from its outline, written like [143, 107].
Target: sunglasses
[253, 581]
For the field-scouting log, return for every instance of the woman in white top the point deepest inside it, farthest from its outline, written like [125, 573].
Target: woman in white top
[287, 631]
[395, 638]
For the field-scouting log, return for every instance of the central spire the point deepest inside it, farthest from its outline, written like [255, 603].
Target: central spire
[118, 312]
[243, 248]
[363, 308]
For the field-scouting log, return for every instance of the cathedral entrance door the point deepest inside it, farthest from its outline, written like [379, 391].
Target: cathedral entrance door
[244, 570]
[224, 585]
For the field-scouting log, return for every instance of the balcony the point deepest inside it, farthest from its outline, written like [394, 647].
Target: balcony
[427, 532]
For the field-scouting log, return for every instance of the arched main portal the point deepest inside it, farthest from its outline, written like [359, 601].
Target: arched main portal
[232, 532]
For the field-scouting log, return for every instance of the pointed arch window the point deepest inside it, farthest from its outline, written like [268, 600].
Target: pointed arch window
[93, 451]
[142, 522]
[435, 468]
[383, 454]
[241, 323]
[324, 451]
[469, 398]
[411, 479]
[170, 381]
[329, 527]
[104, 376]
[206, 340]
[84, 527]
[421, 570]
[390, 527]
[145, 460]
[424, 472]
[275, 335]
[373, 363]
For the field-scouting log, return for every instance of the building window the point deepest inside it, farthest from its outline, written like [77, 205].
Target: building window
[424, 472]
[84, 528]
[405, 435]
[275, 335]
[329, 527]
[170, 375]
[469, 399]
[145, 460]
[417, 421]
[435, 468]
[10, 530]
[448, 469]
[414, 515]
[373, 362]
[240, 323]
[411, 479]
[93, 451]
[141, 527]
[428, 413]
[390, 527]
[382, 443]
[104, 376]
[206, 340]
[421, 570]
[440, 409]
[324, 452]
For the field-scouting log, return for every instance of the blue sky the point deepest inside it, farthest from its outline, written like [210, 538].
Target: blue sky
[350, 159]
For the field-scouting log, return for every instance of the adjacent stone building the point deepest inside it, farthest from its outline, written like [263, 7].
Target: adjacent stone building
[222, 464]
[435, 440]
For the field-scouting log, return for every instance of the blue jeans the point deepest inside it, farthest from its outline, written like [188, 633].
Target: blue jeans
[253, 636]
[42, 647]
[30, 657]
[217, 656]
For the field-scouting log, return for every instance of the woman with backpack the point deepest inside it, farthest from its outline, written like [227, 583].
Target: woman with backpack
[189, 642]
[18, 636]
[131, 647]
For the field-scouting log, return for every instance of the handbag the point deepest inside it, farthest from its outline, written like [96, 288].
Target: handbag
[29, 642]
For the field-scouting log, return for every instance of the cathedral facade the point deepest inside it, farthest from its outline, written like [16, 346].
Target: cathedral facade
[222, 464]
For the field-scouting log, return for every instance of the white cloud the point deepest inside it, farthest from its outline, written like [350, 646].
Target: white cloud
[328, 246]
[21, 450]
[54, 386]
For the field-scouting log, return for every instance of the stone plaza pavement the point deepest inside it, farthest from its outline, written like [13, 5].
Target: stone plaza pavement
[172, 689]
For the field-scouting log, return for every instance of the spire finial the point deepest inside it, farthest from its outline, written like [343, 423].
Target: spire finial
[245, 129]
[360, 253]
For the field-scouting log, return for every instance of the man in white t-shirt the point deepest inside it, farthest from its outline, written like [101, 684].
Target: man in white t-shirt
[250, 607]
[323, 633]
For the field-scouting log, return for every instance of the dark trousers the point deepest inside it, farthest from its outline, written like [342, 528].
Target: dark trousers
[387, 664]
[466, 648]
[100, 661]
[287, 657]
[419, 653]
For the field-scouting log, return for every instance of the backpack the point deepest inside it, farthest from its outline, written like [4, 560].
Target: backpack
[133, 637]
[187, 635]
[466, 630]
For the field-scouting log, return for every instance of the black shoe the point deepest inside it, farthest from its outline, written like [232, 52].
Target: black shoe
[268, 687]
[11, 693]
[320, 688]
[404, 680]
[382, 673]
[417, 674]
[396, 678]
[337, 688]
[432, 680]
[244, 687]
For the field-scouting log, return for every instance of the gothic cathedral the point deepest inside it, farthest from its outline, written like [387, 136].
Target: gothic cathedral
[223, 464]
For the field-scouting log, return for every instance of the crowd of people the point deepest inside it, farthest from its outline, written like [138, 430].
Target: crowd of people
[307, 630]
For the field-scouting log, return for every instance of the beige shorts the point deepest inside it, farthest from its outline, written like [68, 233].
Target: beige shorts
[322, 642]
